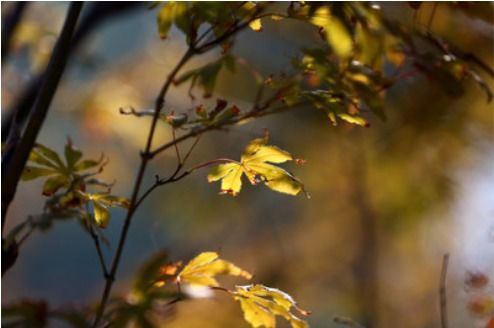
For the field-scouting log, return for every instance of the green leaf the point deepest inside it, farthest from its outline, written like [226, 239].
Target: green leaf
[72, 155]
[184, 20]
[101, 214]
[36, 157]
[52, 184]
[33, 172]
[110, 200]
[50, 155]
[207, 75]
[86, 164]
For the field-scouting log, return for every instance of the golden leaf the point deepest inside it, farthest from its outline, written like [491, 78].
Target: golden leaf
[336, 33]
[262, 304]
[255, 163]
[203, 269]
[256, 25]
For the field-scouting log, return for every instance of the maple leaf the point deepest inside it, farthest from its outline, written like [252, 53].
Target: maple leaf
[202, 270]
[262, 304]
[256, 164]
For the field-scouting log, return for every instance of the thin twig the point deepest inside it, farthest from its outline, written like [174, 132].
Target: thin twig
[145, 158]
[197, 132]
[177, 151]
[431, 18]
[189, 152]
[442, 292]
[101, 257]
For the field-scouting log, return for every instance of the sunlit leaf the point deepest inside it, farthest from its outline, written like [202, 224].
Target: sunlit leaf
[262, 304]
[101, 214]
[72, 155]
[230, 174]
[255, 164]
[256, 25]
[54, 183]
[110, 200]
[165, 19]
[354, 119]
[86, 164]
[33, 172]
[49, 154]
[203, 269]
[336, 34]
[276, 17]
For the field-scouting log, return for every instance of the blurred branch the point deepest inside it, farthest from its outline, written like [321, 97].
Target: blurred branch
[442, 292]
[9, 25]
[97, 13]
[347, 322]
[54, 71]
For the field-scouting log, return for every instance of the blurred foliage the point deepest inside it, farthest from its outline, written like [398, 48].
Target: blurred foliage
[406, 64]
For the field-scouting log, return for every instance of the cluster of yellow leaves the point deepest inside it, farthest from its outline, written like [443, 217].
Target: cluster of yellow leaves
[255, 164]
[262, 304]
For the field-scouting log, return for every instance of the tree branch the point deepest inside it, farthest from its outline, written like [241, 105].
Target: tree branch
[145, 158]
[95, 238]
[9, 25]
[442, 292]
[55, 69]
[147, 155]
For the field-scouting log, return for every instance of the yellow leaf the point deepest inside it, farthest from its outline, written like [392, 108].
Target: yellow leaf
[201, 259]
[256, 25]
[276, 17]
[353, 119]
[254, 163]
[203, 269]
[232, 182]
[165, 19]
[270, 154]
[255, 315]
[101, 214]
[336, 33]
[262, 304]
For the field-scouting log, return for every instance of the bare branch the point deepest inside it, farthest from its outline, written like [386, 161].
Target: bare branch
[101, 257]
[442, 292]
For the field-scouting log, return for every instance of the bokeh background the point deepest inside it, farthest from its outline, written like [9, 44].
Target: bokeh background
[386, 202]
